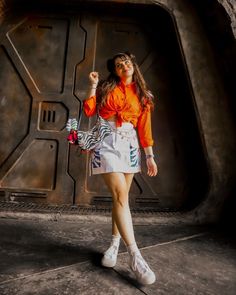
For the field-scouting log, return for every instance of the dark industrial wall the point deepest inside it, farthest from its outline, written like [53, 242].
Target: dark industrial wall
[187, 66]
[219, 25]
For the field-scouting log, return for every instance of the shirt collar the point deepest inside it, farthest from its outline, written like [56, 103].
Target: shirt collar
[123, 86]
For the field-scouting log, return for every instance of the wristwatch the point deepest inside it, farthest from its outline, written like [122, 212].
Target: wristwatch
[149, 156]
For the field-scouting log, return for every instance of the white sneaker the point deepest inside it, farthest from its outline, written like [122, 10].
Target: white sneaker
[110, 256]
[142, 271]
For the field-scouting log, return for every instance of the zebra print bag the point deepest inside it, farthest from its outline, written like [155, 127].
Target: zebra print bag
[88, 140]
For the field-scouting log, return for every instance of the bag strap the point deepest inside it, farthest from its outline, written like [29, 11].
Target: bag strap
[81, 114]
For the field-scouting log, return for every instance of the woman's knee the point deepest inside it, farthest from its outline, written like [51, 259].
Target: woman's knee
[116, 183]
[120, 197]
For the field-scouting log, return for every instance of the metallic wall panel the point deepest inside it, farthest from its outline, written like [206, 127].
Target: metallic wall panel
[15, 106]
[48, 59]
[34, 58]
[35, 169]
[53, 116]
[45, 53]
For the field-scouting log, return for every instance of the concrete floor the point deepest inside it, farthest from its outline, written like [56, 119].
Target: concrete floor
[47, 256]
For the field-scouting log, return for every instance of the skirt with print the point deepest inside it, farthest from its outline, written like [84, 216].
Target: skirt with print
[119, 152]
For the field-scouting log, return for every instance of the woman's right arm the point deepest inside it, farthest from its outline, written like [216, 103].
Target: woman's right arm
[89, 104]
[93, 83]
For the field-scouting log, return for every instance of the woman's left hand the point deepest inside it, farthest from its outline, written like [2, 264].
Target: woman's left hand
[152, 168]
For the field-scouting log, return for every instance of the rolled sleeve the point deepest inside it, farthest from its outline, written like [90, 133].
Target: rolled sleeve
[89, 106]
[145, 128]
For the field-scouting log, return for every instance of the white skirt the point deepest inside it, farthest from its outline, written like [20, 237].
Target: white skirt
[119, 152]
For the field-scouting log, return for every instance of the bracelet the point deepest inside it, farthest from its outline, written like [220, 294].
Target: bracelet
[149, 156]
[93, 87]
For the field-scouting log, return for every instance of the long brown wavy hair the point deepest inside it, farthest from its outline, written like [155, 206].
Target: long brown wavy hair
[104, 87]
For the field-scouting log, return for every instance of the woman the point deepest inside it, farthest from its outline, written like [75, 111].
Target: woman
[125, 102]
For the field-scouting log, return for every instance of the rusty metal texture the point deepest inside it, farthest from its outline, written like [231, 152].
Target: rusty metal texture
[45, 60]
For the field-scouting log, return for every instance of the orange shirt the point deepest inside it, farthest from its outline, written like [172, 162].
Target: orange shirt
[125, 105]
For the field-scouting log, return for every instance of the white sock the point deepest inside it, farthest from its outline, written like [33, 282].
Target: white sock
[133, 249]
[115, 240]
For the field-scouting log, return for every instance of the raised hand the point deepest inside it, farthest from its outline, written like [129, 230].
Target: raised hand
[94, 78]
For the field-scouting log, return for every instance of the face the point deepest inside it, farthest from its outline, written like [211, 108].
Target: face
[124, 68]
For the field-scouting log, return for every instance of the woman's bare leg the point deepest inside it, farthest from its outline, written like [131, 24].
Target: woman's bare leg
[128, 178]
[119, 185]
